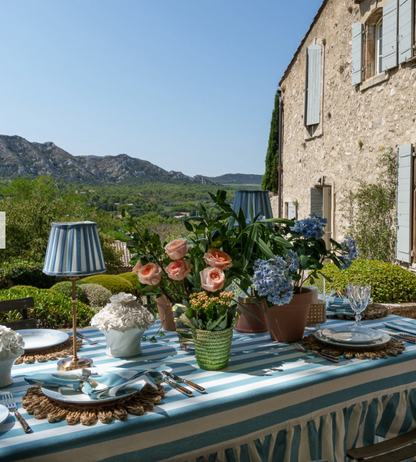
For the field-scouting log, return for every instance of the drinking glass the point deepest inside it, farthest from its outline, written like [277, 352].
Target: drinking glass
[359, 296]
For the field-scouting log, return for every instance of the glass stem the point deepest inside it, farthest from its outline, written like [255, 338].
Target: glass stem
[358, 319]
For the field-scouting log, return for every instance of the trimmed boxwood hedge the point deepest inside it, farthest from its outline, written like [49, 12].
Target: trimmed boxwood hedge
[52, 309]
[97, 295]
[25, 273]
[65, 288]
[115, 284]
[389, 283]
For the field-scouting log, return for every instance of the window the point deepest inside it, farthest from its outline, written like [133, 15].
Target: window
[379, 47]
[313, 90]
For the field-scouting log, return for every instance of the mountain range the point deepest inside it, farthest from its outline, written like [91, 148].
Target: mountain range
[19, 157]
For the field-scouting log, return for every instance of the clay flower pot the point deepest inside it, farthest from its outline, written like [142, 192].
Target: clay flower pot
[165, 312]
[286, 323]
[247, 323]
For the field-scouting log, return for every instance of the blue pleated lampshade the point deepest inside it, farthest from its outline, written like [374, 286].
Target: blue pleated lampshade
[74, 249]
[252, 203]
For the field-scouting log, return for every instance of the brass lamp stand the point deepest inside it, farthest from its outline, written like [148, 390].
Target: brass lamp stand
[69, 364]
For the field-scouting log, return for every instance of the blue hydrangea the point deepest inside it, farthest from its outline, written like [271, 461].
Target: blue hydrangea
[312, 227]
[292, 259]
[272, 279]
[349, 254]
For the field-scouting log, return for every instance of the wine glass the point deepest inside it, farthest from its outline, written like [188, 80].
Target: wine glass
[359, 296]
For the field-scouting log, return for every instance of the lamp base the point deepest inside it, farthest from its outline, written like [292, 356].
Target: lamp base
[70, 363]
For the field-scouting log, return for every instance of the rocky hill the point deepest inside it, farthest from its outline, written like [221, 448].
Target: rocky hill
[19, 157]
[238, 179]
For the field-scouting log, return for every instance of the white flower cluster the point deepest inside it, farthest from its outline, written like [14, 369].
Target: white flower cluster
[123, 313]
[11, 343]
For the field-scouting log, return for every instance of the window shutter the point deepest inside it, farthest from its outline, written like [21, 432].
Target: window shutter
[357, 52]
[313, 89]
[291, 211]
[404, 203]
[317, 201]
[390, 35]
[405, 30]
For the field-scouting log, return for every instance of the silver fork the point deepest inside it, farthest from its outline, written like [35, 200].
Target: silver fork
[91, 342]
[9, 402]
[303, 349]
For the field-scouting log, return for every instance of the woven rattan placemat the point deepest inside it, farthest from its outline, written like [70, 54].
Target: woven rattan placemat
[371, 312]
[392, 348]
[49, 354]
[42, 407]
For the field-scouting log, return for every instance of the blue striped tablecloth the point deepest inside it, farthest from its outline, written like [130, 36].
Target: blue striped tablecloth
[312, 409]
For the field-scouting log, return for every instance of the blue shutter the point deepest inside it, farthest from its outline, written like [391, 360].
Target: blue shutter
[357, 52]
[291, 211]
[313, 90]
[405, 30]
[404, 203]
[390, 35]
[317, 201]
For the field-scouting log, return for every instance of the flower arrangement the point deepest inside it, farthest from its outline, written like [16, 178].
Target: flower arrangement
[11, 344]
[279, 277]
[122, 313]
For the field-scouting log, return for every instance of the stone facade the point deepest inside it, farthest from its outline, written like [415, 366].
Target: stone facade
[357, 122]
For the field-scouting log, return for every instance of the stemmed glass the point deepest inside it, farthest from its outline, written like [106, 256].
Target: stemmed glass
[359, 296]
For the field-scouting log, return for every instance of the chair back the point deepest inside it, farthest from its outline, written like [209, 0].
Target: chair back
[16, 305]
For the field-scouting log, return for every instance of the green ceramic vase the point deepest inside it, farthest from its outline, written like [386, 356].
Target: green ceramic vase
[212, 348]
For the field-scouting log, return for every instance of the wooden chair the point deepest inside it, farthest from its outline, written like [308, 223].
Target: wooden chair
[393, 450]
[16, 305]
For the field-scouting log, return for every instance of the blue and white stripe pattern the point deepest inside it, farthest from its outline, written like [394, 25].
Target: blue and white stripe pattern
[74, 249]
[252, 203]
[312, 409]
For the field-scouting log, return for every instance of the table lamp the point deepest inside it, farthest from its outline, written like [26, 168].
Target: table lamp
[252, 203]
[74, 250]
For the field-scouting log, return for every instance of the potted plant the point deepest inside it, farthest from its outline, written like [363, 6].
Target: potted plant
[123, 322]
[11, 348]
[279, 281]
[211, 317]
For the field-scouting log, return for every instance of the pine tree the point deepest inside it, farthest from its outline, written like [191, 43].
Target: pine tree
[270, 179]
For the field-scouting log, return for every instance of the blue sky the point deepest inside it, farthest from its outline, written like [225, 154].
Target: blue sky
[187, 84]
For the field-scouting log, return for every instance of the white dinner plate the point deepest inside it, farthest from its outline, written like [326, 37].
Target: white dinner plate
[351, 334]
[36, 339]
[69, 395]
[4, 413]
[383, 340]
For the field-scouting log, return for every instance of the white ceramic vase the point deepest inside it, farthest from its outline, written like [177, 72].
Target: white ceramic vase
[6, 370]
[123, 344]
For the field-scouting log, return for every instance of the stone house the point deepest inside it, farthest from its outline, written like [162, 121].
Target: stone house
[347, 95]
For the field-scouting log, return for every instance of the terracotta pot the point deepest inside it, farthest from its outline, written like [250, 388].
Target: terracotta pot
[165, 312]
[287, 323]
[247, 323]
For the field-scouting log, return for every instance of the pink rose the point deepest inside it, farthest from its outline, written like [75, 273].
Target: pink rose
[212, 279]
[178, 270]
[177, 249]
[150, 274]
[218, 259]
[138, 266]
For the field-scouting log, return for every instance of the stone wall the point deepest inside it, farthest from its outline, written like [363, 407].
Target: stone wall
[357, 123]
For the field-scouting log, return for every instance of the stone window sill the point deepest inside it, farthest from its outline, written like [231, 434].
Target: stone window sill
[376, 80]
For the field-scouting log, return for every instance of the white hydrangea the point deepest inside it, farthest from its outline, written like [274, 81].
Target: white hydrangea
[123, 313]
[11, 343]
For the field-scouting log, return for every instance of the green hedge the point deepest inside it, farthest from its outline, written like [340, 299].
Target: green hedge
[133, 279]
[97, 295]
[389, 283]
[25, 273]
[52, 309]
[65, 288]
[115, 284]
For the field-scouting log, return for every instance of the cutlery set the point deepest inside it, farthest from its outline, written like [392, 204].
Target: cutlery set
[10, 403]
[173, 380]
[326, 356]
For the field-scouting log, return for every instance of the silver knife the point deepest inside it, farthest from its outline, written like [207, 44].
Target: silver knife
[182, 389]
[188, 382]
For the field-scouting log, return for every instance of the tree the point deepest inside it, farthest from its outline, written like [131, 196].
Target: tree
[270, 179]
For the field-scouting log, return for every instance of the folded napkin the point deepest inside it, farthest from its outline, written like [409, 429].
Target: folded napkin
[338, 302]
[100, 385]
[403, 326]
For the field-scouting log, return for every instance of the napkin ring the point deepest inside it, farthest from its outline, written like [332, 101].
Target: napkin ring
[85, 377]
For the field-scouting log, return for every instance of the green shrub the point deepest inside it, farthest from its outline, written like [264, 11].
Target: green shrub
[133, 279]
[389, 283]
[52, 309]
[65, 288]
[115, 284]
[97, 295]
[25, 273]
